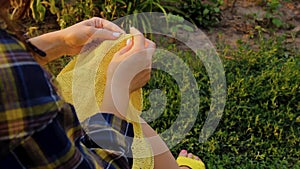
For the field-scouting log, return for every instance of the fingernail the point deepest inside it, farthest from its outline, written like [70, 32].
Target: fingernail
[116, 34]
[183, 151]
[128, 41]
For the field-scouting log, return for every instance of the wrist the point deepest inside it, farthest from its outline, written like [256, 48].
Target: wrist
[116, 103]
[52, 44]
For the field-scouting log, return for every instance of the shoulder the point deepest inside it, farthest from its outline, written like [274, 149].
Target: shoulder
[22, 78]
[13, 51]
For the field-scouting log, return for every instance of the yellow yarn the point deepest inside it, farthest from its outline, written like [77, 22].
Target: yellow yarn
[82, 83]
[191, 163]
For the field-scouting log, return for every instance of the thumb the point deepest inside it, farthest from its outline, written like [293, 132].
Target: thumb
[126, 48]
[104, 34]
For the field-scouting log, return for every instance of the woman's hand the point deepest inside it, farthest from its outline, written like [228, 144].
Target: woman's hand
[128, 71]
[131, 66]
[70, 41]
[78, 35]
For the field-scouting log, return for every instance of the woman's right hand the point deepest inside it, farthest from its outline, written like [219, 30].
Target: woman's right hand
[129, 70]
[131, 66]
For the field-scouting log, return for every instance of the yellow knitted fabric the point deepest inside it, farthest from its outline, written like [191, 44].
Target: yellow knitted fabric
[82, 83]
[191, 163]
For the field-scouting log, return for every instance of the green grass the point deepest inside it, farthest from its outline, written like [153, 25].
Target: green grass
[260, 127]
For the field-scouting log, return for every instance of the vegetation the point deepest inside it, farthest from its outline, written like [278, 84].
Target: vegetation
[260, 127]
[203, 14]
[261, 121]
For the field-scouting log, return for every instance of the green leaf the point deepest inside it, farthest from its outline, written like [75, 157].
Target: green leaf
[277, 22]
[53, 8]
[188, 28]
[268, 15]
[161, 8]
[206, 11]
[129, 7]
[42, 12]
[217, 10]
[298, 119]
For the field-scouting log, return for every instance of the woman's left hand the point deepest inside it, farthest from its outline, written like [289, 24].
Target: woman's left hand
[78, 35]
[70, 41]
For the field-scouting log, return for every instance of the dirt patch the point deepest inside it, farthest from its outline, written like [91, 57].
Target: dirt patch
[240, 18]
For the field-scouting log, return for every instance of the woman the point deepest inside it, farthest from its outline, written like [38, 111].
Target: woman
[37, 128]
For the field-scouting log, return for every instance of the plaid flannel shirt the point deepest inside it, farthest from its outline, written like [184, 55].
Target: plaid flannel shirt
[39, 130]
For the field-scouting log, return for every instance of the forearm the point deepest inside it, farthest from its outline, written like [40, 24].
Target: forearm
[52, 44]
[163, 158]
[117, 105]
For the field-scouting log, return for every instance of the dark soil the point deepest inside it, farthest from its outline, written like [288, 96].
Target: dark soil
[240, 18]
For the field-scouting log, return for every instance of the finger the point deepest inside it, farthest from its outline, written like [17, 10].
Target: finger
[150, 47]
[110, 26]
[196, 158]
[138, 39]
[190, 155]
[149, 44]
[126, 48]
[183, 153]
[104, 34]
[94, 22]
[98, 23]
